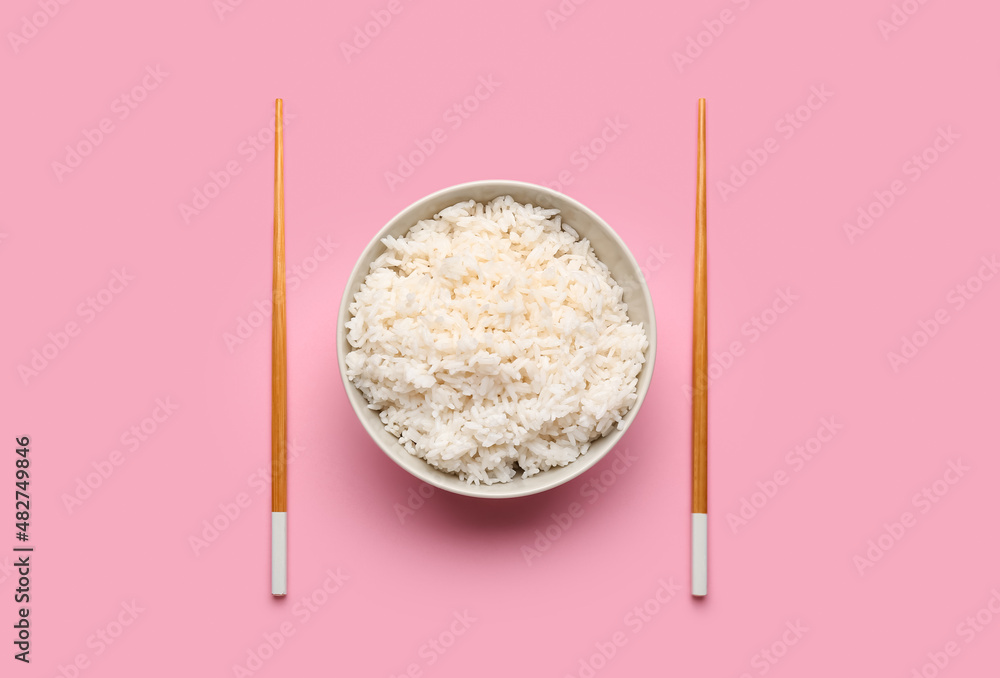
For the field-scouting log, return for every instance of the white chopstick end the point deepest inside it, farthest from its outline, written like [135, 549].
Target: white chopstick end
[699, 554]
[279, 554]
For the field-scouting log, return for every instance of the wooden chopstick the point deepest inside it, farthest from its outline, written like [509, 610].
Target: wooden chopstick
[279, 388]
[699, 390]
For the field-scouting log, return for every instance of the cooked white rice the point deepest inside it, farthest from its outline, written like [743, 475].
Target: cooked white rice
[491, 339]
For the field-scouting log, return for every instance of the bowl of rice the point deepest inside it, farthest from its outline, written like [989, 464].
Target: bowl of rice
[496, 339]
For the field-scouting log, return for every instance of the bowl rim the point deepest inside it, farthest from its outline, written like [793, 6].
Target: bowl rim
[579, 465]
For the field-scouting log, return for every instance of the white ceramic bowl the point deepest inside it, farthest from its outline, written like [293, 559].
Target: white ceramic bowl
[608, 247]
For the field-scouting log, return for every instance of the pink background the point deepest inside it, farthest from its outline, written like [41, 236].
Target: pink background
[205, 609]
